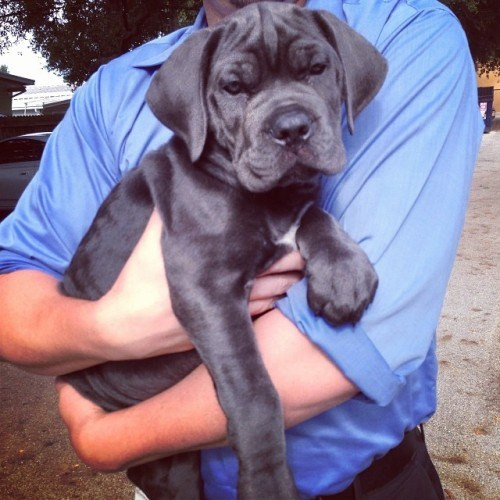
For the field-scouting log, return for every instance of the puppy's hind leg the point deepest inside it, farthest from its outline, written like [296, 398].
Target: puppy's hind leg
[172, 478]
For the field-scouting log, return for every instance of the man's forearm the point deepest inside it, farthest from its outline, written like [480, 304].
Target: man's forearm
[40, 329]
[188, 415]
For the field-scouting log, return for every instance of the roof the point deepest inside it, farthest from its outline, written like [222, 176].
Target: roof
[55, 107]
[48, 89]
[38, 97]
[13, 83]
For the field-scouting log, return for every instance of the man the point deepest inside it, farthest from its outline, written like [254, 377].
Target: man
[350, 394]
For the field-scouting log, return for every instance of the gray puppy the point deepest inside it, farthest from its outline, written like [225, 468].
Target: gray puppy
[255, 103]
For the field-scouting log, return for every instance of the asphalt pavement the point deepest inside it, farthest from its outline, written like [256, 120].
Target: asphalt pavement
[464, 433]
[37, 462]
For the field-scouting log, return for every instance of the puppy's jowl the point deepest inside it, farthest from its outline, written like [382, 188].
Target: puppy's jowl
[256, 104]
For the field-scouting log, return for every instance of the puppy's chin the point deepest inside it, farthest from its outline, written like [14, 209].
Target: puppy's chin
[300, 175]
[244, 3]
[257, 180]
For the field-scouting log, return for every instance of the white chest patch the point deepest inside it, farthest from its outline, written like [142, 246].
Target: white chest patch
[288, 238]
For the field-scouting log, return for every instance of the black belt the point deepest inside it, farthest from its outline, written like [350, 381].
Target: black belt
[382, 470]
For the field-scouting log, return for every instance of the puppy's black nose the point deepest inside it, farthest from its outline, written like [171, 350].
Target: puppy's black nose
[291, 127]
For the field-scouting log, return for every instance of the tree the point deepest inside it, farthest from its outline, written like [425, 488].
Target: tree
[480, 20]
[77, 36]
[4, 68]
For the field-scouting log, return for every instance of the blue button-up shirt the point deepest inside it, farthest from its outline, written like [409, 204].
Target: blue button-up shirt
[402, 196]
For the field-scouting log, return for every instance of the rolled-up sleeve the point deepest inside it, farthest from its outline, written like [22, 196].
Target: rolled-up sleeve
[403, 198]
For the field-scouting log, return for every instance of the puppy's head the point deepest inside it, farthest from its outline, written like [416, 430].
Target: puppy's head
[267, 85]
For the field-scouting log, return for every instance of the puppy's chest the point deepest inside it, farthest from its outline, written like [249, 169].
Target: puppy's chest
[284, 232]
[287, 239]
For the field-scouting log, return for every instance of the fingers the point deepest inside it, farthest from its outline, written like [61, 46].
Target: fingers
[273, 283]
[268, 289]
[258, 307]
[271, 286]
[292, 261]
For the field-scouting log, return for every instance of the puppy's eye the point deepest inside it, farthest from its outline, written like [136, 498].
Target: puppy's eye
[233, 87]
[317, 68]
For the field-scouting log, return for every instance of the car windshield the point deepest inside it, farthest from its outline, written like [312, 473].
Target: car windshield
[21, 149]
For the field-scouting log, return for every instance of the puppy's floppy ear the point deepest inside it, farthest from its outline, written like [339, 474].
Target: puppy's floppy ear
[364, 67]
[177, 91]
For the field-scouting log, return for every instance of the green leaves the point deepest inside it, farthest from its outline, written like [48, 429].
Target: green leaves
[77, 36]
[480, 20]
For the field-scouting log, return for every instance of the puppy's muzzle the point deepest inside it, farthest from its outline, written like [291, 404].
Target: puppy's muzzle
[291, 127]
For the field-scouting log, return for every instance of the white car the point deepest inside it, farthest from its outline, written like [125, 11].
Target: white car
[19, 161]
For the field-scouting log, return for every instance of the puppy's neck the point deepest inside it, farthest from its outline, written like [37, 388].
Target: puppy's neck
[217, 162]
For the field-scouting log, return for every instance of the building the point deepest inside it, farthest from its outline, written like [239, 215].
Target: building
[11, 86]
[20, 96]
[26, 108]
[491, 80]
[42, 100]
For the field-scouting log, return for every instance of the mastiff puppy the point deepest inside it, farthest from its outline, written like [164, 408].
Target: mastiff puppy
[255, 103]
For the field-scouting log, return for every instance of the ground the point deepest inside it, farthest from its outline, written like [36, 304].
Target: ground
[464, 432]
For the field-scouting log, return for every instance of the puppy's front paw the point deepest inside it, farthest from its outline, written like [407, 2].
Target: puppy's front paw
[341, 285]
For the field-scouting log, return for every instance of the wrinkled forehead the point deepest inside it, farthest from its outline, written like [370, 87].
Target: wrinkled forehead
[271, 33]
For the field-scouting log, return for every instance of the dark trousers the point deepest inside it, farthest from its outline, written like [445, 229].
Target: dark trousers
[404, 473]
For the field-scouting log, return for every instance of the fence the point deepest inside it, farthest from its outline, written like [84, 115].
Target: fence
[11, 126]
